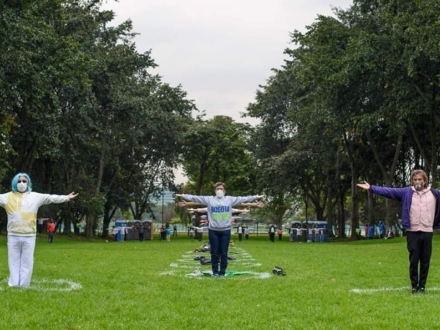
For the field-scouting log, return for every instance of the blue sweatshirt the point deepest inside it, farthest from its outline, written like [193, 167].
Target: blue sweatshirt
[219, 209]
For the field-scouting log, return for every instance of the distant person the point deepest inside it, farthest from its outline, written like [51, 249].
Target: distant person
[21, 205]
[167, 232]
[272, 233]
[141, 231]
[175, 231]
[420, 214]
[126, 232]
[162, 233]
[115, 231]
[280, 234]
[191, 233]
[358, 233]
[246, 233]
[40, 224]
[50, 230]
[240, 232]
[390, 233]
[381, 229]
[371, 232]
[366, 230]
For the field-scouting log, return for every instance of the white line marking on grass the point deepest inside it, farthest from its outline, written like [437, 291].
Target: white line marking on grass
[371, 291]
[261, 275]
[59, 285]
[249, 264]
[186, 260]
[169, 272]
[183, 266]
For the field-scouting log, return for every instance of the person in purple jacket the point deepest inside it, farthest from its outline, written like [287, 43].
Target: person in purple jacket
[219, 209]
[420, 214]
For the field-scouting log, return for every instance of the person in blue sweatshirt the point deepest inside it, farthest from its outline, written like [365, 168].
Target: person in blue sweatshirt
[219, 209]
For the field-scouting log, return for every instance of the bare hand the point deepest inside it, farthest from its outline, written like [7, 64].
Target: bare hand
[72, 195]
[182, 204]
[364, 185]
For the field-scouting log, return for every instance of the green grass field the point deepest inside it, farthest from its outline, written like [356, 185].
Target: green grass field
[133, 285]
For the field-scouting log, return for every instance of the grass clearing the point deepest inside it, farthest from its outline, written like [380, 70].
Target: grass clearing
[133, 285]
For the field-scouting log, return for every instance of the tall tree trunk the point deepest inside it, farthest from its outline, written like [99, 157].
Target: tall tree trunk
[341, 216]
[354, 204]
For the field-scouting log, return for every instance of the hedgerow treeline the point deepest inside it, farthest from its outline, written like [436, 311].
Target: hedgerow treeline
[81, 111]
[357, 99]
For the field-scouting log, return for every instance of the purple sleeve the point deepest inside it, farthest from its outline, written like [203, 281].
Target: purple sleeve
[391, 193]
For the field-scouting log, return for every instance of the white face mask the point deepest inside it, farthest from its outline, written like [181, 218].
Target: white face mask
[220, 193]
[22, 187]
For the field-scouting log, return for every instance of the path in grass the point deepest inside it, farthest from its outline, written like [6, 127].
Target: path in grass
[244, 264]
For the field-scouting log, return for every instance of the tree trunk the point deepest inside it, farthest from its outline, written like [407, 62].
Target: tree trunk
[341, 217]
[354, 204]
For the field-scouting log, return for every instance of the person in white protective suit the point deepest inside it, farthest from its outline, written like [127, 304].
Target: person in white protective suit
[21, 205]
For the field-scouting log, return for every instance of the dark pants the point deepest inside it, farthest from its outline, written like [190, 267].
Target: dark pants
[219, 241]
[50, 237]
[240, 237]
[272, 237]
[419, 246]
[141, 237]
[280, 237]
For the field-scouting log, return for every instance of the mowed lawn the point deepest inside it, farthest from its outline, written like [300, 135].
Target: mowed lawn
[133, 285]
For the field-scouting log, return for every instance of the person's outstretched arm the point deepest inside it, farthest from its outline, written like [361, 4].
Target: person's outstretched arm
[199, 210]
[255, 204]
[184, 203]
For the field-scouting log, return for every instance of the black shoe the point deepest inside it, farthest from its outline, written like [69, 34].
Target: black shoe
[422, 289]
[278, 271]
[414, 290]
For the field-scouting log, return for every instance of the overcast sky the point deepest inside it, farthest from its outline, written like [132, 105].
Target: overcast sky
[219, 51]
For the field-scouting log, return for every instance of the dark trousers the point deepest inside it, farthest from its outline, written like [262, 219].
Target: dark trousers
[419, 246]
[219, 241]
[272, 237]
[50, 237]
[240, 237]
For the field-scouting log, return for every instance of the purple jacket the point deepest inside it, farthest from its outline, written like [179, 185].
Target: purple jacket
[404, 195]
